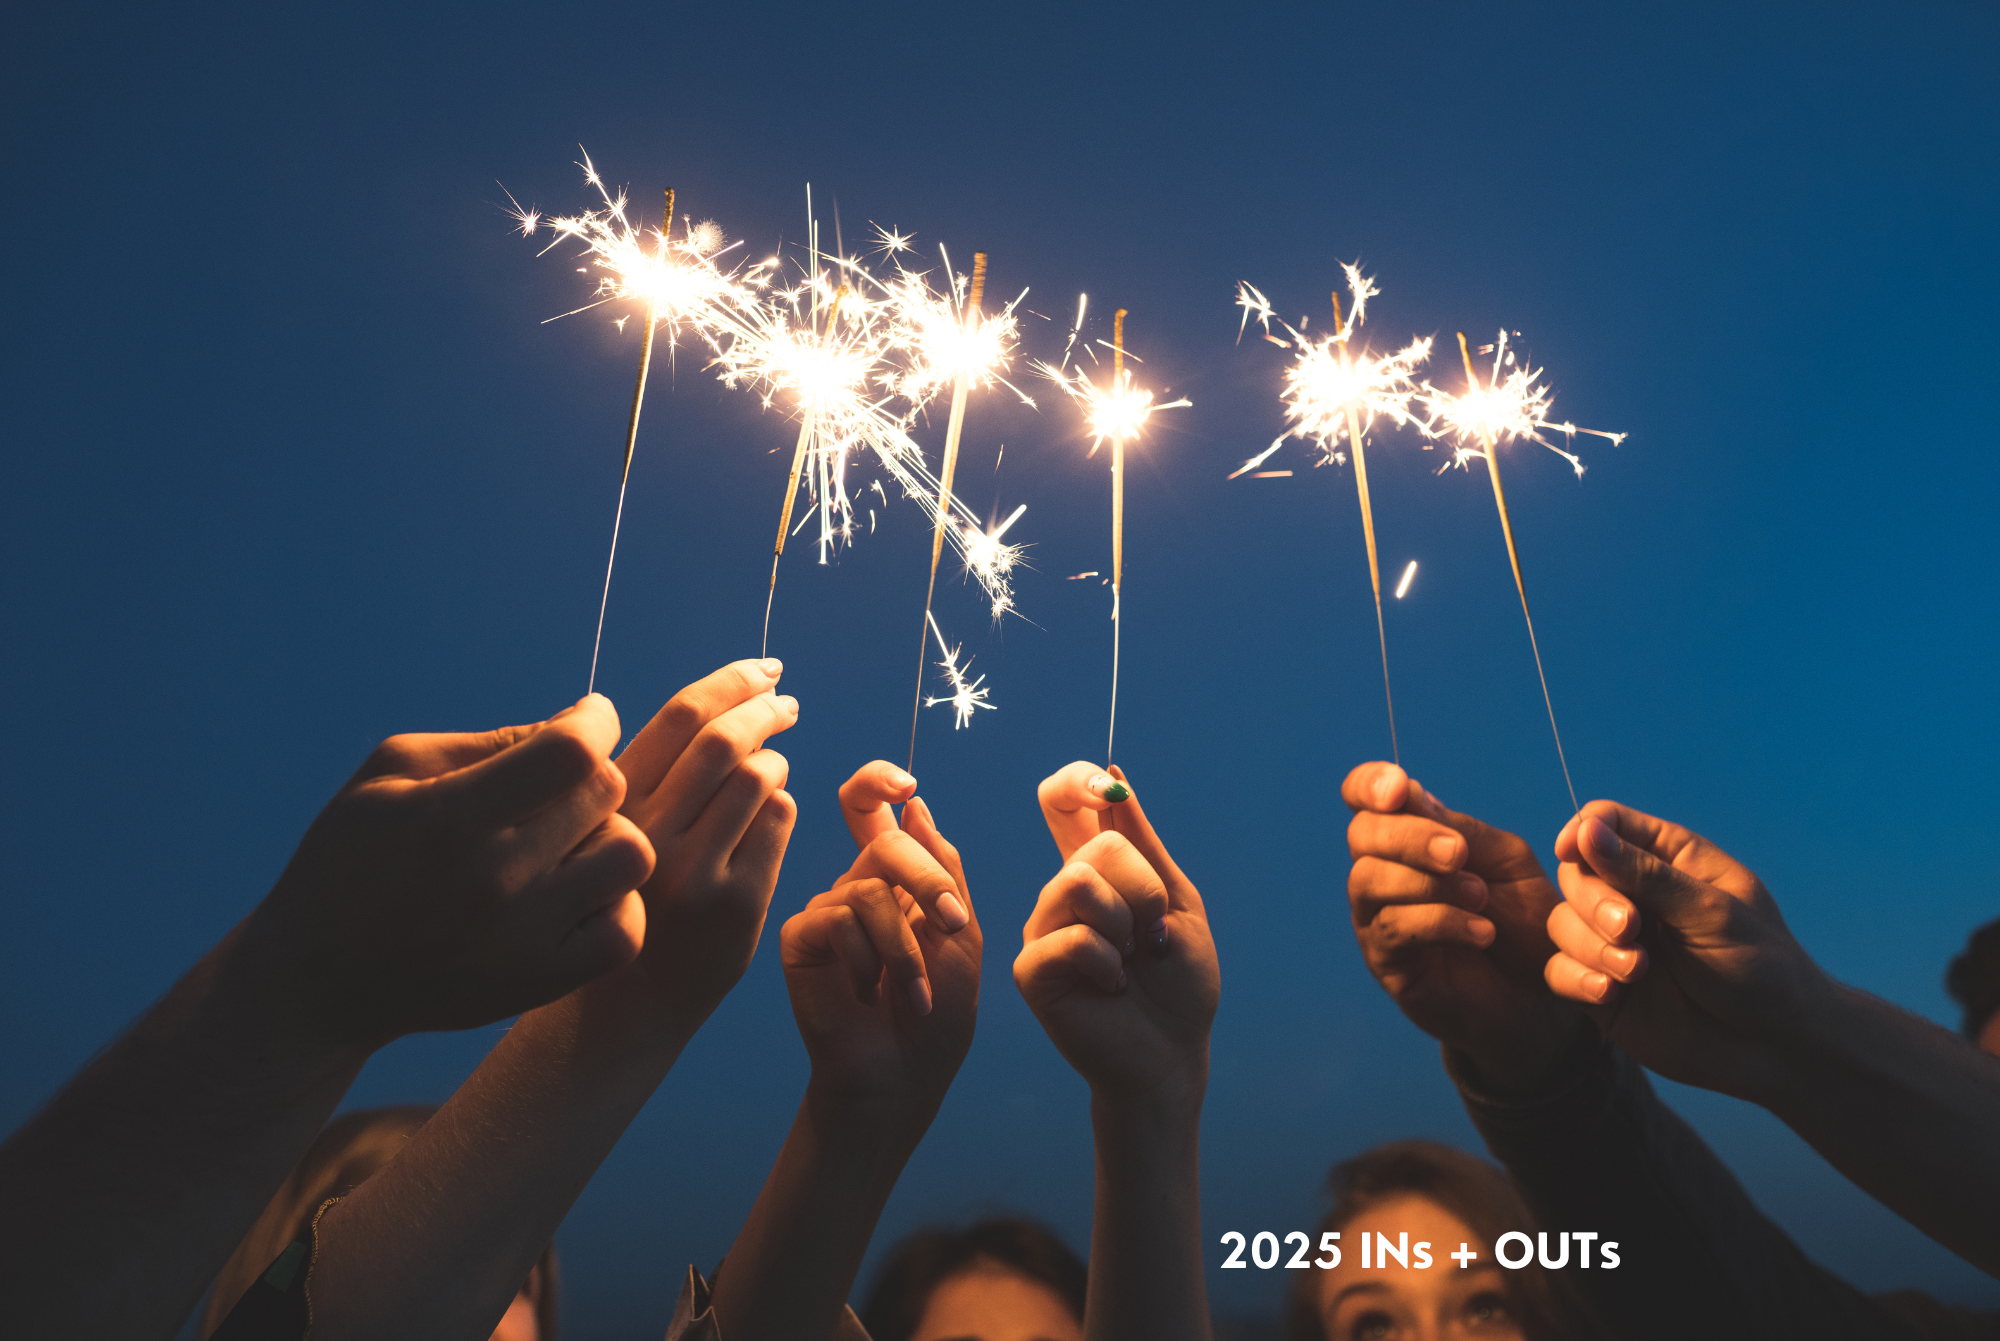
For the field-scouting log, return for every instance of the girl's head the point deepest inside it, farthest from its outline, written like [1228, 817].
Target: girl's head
[998, 1280]
[354, 1147]
[1446, 1198]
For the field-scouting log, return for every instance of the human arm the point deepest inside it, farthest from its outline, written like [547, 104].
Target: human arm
[436, 1244]
[883, 973]
[1135, 1025]
[1681, 955]
[453, 880]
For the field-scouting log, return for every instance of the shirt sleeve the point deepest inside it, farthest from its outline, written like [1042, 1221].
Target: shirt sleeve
[1597, 1151]
[278, 1304]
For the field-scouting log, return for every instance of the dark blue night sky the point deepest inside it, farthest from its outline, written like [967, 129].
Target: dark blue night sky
[292, 464]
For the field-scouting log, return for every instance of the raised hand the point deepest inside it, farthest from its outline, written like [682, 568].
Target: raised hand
[711, 798]
[1452, 918]
[1117, 962]
[455, 880]
[883, 969]
[1677, 948]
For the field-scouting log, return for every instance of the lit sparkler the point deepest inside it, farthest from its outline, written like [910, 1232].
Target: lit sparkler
[1116, 413]
[1509, 407]
[679, 282]
[1333, 391]
[966, 695]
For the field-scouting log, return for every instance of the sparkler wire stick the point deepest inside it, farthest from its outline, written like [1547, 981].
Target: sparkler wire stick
[1374, 568]
[953, 428]
[1117, 526]
[631, 441]
[1514, 558]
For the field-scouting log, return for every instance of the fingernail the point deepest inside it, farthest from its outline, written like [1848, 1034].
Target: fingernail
[1119, 986]
[1597, 984]
[1445, 848]
[951, 912]
[772, 667]
[1622, 960]
[788, 704]
[1389, 792]
[899, 779]
[1598, 836]
[1108, 787]
[1481, 928]
[1612, 918]
[1472, 890]
[1157, 937]
[920, 996]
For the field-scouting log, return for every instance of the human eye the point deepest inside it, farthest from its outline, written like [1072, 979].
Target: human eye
[1487, 1312]
[1372, 1326]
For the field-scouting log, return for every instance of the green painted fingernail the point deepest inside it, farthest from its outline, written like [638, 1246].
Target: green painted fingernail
[1117, 791]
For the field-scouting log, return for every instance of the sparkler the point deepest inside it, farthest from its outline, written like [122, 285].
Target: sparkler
[1115, 413]
[834, 348]
[966, 696]
[1331, 390]
[1507, 408]
[680, 284]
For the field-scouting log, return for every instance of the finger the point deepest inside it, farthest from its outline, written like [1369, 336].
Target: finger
[1070, 955]
[426, 754]
[1374, 883]
[523, 778]
[1383, 788]
[762, 851]
[542, 841]
[1116, 858]
[1079, 895]
[866, 797]
[652, 753]
[716, 751]
[601, 943]
[1578, 982]
[1402, 931]
[955, 910]
[723, 822]
[1640, 876]
[1128, 817]
[614, 860]
[1408, 840]
[1577, 939]
[1074, 811]
[1683, 849]
[899, 859]
[1598, 905]
[881, 917]
[834, 933]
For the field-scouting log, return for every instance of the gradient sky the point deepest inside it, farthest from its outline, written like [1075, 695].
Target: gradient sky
[292, 464]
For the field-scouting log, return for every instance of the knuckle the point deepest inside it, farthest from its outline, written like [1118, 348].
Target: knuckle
[568, 753]
[683, 714]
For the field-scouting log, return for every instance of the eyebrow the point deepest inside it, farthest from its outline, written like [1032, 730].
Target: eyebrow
[1360, 1287]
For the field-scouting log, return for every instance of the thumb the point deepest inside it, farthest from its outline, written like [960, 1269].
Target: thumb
[1652, 884]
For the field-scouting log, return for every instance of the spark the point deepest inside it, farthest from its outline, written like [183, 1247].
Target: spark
[965, 696]
[1512, 405]
[1403, 586]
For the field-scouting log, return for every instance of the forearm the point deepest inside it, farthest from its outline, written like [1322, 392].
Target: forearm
[1147, 1281]
[121, 1200]
[793, 1264]
[1902, 1107]
[436, 1245]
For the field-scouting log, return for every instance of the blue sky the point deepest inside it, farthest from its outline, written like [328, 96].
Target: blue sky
[292, 464]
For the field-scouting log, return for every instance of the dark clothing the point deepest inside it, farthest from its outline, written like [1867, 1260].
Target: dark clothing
[1599, 1151]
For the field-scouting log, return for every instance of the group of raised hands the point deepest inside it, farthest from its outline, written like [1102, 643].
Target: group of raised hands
[457, 880]
[612, 903]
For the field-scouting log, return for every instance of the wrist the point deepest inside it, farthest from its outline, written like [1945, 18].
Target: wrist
[867, 1118]
[1525, 1061]
[1170, 1106]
